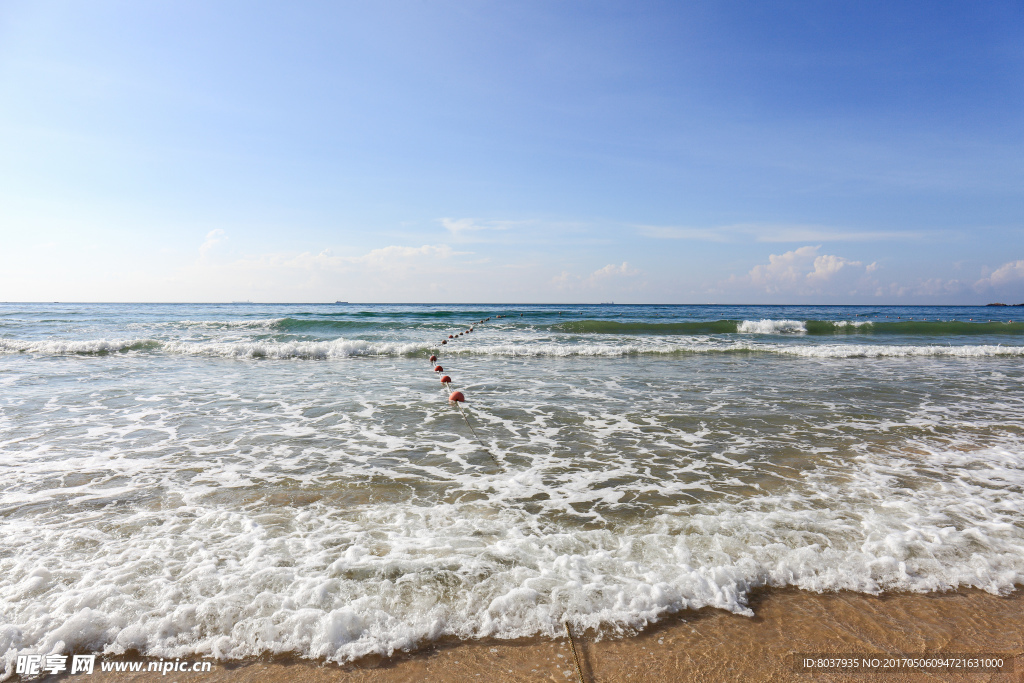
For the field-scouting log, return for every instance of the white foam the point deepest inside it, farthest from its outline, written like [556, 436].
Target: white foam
[338, 348]
[324, 583]
[766, 326]
[890, 350]
[344, 348]
[670, 345]
[257, 324]
[61, 347]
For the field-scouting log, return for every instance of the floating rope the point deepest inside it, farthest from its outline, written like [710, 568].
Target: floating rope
[465, 417]
[575, 657]
[457, 402]
[468, 424]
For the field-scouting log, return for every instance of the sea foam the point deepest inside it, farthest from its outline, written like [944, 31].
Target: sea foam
[168, 492]
[771, 327]
[648, 345]
[323, 583]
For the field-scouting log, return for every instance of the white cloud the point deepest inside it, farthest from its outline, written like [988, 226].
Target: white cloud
[767, 232]
[805, 271]
[893, 290]
[213, 238]
[681, 233]
[935, 286]
[783, 270]
[808, 272]
[458, 226]
[817, 233]
[382, 259]
[828, 266]
[1006, 275]
[609, 278]
[612, 270]
[394, 272]
[397, 256]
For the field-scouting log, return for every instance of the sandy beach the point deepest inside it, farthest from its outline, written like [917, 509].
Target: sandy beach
[710, 645]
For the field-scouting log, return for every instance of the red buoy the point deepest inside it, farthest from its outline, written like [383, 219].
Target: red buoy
[444, 342]
[457, 397]
[433, 358]
[438, 368]
[451, 336]
[446, 380]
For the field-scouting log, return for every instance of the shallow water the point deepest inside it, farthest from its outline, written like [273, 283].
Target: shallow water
[238, 480]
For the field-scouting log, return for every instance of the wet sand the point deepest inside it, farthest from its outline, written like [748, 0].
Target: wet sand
[709, 645]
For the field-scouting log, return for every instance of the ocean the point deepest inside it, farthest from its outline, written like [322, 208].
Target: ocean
[243, 480]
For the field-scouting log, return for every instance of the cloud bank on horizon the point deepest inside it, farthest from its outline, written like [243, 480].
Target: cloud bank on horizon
[787, 152]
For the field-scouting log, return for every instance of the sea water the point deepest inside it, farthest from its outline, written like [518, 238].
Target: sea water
[243, 480]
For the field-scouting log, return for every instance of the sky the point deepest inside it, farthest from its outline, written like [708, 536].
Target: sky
[555, 151]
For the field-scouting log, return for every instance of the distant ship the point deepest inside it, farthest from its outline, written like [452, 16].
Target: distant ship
[341, 302]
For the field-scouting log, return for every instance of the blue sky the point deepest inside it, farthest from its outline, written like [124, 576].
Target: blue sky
[803, 152]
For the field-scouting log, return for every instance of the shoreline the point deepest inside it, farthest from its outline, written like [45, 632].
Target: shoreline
[709, 644]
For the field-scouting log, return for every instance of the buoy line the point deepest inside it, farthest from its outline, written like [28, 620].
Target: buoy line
[468, 424]
[457, 397]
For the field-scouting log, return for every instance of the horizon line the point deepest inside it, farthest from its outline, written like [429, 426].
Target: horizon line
[477, 303]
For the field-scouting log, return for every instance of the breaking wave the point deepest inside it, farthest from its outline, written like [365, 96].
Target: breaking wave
[344, 348]
[70, 347]
[809, 327]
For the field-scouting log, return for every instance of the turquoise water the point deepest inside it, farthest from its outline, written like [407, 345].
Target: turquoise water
[237, 480]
